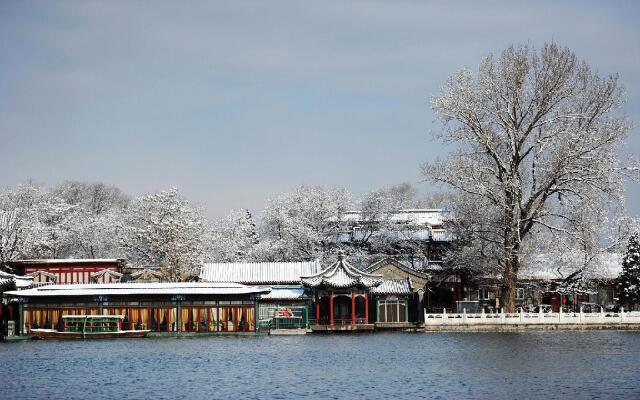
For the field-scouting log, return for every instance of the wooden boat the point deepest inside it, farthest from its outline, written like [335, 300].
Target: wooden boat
[90, 327]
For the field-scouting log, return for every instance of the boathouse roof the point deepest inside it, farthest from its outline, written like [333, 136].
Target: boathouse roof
[342, 275]
[151, 288]
[285, 293]
[259, 273]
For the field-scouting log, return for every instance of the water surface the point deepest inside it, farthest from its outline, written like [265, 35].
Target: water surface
[603, 364]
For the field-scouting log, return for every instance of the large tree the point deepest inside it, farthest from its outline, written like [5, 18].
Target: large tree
[538, 140]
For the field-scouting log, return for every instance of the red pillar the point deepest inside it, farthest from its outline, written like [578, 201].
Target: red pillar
[317, 309]
[10, 312]
[353, 308]
[366, 307]
[331, 307]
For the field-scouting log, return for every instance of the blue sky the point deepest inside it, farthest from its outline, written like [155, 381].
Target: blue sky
[234, 102]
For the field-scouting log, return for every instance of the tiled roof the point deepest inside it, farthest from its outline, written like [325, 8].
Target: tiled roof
[394, 286]
[8, 280]
[67, 261]
[285, 293]
[146, 274]
[342, 275]
[166, 288]
[426, 216]
[604, 266]
[106, 272]
[401, 266]
[259, 273]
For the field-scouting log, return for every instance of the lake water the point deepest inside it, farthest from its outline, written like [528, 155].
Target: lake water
[602, 364]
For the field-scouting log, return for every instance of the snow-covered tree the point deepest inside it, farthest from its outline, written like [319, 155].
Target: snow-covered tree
[164, 229]
[233, 238]
[303, 224]
[538, 139]
[18, 216]
[94, 226]
[629, 281]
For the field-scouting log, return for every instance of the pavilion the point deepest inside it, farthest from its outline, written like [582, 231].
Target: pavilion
[341, 296]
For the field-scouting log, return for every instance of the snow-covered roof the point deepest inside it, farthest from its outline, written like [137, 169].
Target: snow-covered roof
[285, 293]
[394, 286]
[418, 216]
[146, 274]
[68, 261]
[8, 280]
[398, 264]
[151, 288]
[342, 275]
[553, 266]
[259, 272]
[108, 272]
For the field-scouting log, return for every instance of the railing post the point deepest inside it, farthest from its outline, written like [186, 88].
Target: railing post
[601, 315]
[502, 318]
[444, 316]
[580, 314]
[482, 315]
[521, 316]
[621, 313]
[560, 314]
[464, 315]
[539, 313]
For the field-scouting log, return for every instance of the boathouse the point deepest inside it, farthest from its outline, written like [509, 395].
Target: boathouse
[341, 296]
[169, 308]
[287, 297]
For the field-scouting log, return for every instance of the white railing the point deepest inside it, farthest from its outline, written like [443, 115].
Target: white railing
[524, 318]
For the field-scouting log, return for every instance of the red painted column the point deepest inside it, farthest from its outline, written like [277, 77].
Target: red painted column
[366, 307]
[331, 307]
[10, 312]
[317, 309]
[353, 308]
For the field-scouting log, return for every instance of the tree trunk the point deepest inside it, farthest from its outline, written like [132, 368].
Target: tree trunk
[510, 284]
[511, 265]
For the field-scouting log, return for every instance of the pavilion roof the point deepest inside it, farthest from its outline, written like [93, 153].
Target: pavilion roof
[342, 275]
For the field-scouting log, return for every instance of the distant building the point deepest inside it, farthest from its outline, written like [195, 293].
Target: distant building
[406, 229]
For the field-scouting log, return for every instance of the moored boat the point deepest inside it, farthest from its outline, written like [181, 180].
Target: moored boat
[90, 327]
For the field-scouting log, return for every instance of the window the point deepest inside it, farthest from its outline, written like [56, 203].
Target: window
[483, 294]
[520, 294]
[392, 311]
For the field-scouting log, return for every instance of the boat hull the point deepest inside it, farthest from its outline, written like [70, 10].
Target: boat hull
[53, 334]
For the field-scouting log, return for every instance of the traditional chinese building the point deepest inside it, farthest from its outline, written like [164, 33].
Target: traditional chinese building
[341, 296]
[9, 310]
[403, 283]
[70, 271]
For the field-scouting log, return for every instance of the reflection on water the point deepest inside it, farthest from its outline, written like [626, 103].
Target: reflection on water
[432, 365]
